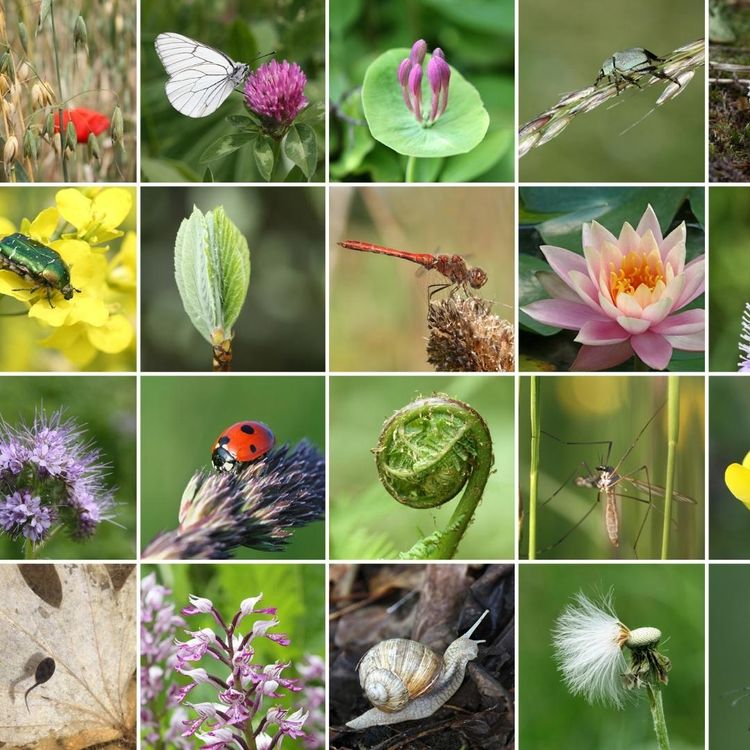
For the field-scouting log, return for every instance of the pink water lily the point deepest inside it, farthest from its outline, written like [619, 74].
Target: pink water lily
[623, 295]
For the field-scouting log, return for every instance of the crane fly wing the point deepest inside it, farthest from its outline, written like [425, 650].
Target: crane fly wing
[655, 489]
[200, 77]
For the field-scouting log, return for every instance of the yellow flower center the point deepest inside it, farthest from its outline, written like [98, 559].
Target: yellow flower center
[637, 269]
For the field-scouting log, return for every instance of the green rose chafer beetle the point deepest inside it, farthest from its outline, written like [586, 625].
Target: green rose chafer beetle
[626, 67]
[36, 263]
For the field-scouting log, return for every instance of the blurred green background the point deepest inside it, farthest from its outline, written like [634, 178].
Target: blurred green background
[729, 441]
[366, 522]
[668, 597]
[298, 591]
[612, 408]
[378, 318]
[555, 216]
[171, 143]
[282, 324]
[562, 47]
[477, 38]
[730, 291]
[105, 408]
[181, 417]
[20, 336]
[729, 670]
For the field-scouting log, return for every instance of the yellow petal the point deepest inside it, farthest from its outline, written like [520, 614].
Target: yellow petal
[746, 460]
[44, 226]
[112, 337]
[74, 207]
[6, 227]
[73, 344]
[112, 206]
[56, 315]
[737, 479]
[88, 309]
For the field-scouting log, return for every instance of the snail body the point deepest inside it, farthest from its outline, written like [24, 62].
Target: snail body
[406, 680]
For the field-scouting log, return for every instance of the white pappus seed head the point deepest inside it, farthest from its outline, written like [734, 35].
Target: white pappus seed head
[641, 637]
[588, 640]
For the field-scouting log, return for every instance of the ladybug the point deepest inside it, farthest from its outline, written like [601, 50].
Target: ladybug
[241, 443]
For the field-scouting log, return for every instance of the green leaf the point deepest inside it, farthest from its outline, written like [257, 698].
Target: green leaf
[247, 122]
[467, 167]
[301, 148]
[311, 114]
[230, 253]
[240, 41]
[488, 16]
[697, 199]
[212, 270]
[208, 175]
[226, 145]
[530, 290]
[264, 156]
[460, 129]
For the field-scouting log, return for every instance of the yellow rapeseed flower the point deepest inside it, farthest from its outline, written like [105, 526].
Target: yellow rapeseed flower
[95, 218]
[737, 479]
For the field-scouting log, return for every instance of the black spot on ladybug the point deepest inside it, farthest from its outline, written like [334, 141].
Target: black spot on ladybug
[248, 429]
[253, 449]
[223, 440]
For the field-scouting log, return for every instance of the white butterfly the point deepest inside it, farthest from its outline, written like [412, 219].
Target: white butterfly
[200, 77]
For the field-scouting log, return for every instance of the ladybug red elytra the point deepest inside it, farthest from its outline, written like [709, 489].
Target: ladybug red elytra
[241, 443]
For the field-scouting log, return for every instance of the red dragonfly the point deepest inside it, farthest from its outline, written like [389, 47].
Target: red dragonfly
[453, 267]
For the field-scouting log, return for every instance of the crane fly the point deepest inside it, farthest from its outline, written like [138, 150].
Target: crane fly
[453, 267]
[608, 482]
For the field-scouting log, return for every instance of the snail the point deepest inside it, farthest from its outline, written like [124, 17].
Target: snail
[406, 680]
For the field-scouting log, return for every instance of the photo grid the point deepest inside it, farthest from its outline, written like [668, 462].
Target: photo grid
[366, 380]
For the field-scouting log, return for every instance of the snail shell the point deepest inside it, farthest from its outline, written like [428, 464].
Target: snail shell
[406, 680]
[397, 670]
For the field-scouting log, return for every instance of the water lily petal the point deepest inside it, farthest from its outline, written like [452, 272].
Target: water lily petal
[563, 261]
[602, 357]
[691, 342]
[649, 222]
[657, 311]
[634, 325]
[678, 236]
[630, 304]
[601, 333]
[555, 286]
[675, 258]
[629, 239]
[585, 289]
[559, 313]
[653, 349]
[687, 321]
[695, 282]
[596, 236]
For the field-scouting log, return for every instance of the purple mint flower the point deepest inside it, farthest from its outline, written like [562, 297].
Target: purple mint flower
[410, 80]
[744, 344]
[276, 91]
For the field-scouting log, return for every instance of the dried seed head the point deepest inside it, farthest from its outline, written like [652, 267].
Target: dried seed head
[49, 125]
[23, 36]
[49, 93]
[80, 36]
[10, 150]
[5, 85]
[92, 146]
[466, 337]
[30, 144]
[116, 129]
[71, 137]
[641, 637]
[38, 99]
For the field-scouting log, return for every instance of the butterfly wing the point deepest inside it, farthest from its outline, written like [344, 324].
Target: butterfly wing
[200, 77]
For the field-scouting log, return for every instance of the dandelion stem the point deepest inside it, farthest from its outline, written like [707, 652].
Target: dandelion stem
[411, 166]
[59, 88]
[673, 430]
[657, 714]
[534, 467]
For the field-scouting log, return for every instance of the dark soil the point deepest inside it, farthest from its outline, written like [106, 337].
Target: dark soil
[433, 605]
[729, 106]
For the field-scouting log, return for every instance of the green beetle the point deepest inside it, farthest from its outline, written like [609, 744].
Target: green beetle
[623, 68]
[37, 263]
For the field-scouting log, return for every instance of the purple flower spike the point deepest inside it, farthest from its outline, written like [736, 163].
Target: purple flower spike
[276, 92]
[403, 78]
[418, 51]
[410, 79]
[415, 87]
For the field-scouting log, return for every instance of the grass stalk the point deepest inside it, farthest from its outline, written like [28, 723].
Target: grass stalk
[60, 91]
[534, 467]
[673, 434]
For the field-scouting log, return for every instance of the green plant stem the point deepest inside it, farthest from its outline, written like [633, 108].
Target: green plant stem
[673, 434]
[534, 467]
[29, 551]
[657, 714]
[250, 737]
[411, 167]
[59, 88]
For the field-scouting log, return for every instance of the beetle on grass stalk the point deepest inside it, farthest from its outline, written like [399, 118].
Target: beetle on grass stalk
[626, 67]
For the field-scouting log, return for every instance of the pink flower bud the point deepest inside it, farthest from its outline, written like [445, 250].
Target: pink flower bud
[418, 51]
